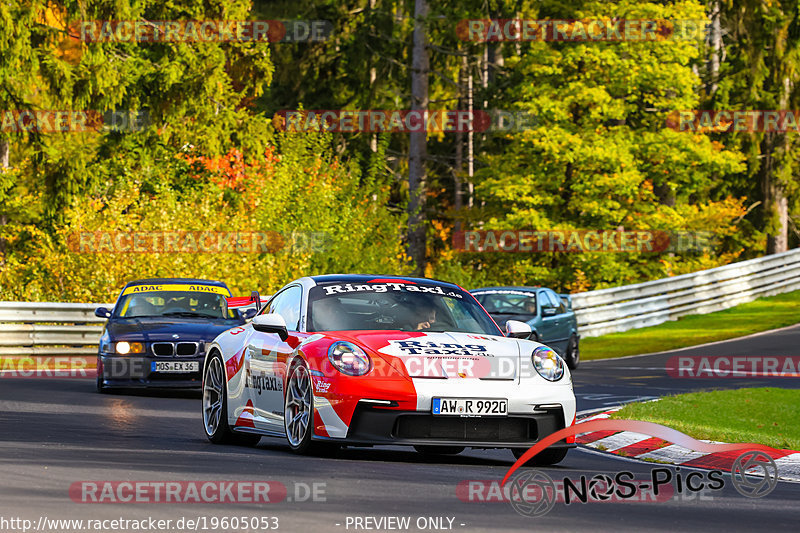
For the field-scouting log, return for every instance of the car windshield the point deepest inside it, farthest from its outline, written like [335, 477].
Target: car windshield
[180, 304]
[394, 305]
[502, 302]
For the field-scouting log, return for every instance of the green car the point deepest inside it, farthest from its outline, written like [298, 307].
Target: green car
[549, 315]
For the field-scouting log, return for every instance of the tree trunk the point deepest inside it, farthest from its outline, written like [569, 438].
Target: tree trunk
[715, 47]
[470, 145]
[458, 193]
[780, 242]
[373, 75]
[5, 153]
[418, 141]
[776, 209]
[5, 162]
[776, 212]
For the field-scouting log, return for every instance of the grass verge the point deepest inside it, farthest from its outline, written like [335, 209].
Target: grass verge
[761, 315]
[762, 416]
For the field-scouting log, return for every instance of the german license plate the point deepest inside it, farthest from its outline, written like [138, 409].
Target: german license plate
[175, 366]
[470, 407]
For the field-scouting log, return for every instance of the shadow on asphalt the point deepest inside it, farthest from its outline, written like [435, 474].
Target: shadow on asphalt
[157, 393]
[393, 454]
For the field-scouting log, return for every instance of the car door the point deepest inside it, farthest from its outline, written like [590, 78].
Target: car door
[548, 322]
[267, 355]
[558, 323]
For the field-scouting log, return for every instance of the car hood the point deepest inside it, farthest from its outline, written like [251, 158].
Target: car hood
[444, 355]
[160, 329]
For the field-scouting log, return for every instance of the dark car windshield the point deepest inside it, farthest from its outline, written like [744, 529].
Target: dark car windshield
[173, 304]
[506, 302]
[396, 306]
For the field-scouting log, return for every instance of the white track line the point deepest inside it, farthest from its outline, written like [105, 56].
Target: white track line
[672, 454]
[620, 440]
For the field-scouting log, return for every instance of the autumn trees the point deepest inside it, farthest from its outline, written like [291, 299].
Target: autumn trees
[592, 148]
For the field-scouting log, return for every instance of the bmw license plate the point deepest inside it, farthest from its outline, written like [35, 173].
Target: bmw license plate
[470, 407]
[175, 366]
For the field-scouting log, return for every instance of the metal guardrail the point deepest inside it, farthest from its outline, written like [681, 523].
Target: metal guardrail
[48, 329]
[654, 302]
[44, 328]
[41, 328]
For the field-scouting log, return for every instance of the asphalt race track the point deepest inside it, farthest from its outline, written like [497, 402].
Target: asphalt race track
[610, 382]
[58, 432]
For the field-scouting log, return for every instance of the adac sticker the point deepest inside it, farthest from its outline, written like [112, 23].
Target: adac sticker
[211, 289]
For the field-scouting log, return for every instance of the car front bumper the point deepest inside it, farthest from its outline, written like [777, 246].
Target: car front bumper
[116, 371]
[380, 426]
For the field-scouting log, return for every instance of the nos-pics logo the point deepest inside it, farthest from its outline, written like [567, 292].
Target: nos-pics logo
[754, 474]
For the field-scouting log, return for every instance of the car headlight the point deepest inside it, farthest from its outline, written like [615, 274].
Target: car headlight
[547, 363]
[349, 359]
[125, 348]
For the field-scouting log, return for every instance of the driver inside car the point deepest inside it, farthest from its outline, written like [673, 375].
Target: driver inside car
[427, 316]
[178, 303]
[530, 306]
[209, 304]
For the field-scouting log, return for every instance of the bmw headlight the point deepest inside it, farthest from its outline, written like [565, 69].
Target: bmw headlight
[349, 359]
[125, 348]
[547, 363]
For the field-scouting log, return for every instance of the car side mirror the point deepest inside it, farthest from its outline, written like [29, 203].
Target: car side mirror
[271, 323]
[102, 312]
[247, 314]
[517, 329]
[548, 311]
[255, 297]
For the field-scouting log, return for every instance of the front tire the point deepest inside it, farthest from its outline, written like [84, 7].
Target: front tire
[298, 409]
[298, 415]
[573, 354]
[215, 407]
[547, 457]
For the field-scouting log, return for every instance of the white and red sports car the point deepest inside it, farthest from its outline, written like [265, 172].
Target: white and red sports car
[366, 360]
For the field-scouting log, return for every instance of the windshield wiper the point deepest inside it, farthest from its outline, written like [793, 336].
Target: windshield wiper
[189, 314]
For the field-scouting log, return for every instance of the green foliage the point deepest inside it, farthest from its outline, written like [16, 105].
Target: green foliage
[600, 157]
[294, 189]
[194, 93]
